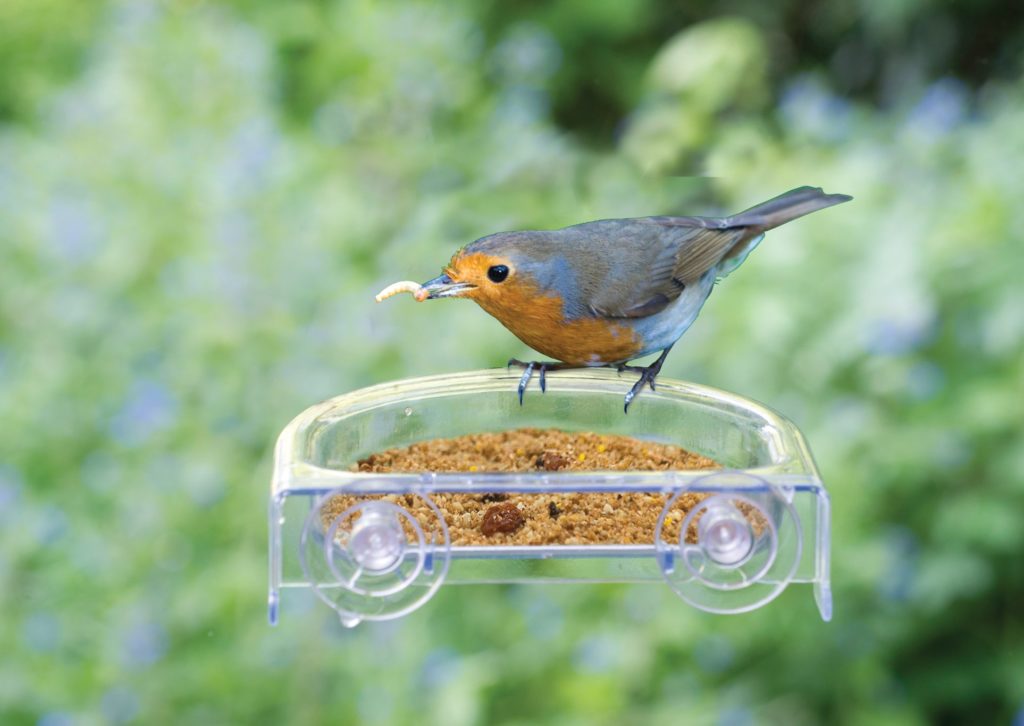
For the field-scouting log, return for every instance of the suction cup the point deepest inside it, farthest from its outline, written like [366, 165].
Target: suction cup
[375, 560]
[736, 549]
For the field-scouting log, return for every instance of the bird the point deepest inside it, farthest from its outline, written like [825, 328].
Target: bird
[604, 293]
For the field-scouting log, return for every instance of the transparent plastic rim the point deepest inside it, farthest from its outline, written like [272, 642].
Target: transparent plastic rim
[291, 473]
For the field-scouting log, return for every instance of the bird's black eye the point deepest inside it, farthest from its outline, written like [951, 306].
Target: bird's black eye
[497, 273]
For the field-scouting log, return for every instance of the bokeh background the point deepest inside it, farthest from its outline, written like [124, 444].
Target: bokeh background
[198, 200]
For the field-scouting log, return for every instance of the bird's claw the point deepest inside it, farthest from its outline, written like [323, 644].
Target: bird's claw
[524, 380]
[528, 368]
[647, 375]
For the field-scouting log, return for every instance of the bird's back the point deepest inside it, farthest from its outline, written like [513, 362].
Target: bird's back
[643, 277]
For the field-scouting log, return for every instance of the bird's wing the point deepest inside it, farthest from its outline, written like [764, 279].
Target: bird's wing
[656, 259]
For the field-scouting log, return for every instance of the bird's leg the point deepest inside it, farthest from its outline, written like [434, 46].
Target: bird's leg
[543, 366]
[647, 375]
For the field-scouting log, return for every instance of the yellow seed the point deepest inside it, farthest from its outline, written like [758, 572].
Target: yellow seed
[581, 457]
[601, 448]
[473, 468]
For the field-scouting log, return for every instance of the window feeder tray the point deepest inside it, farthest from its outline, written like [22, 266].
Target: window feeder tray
[761, 524]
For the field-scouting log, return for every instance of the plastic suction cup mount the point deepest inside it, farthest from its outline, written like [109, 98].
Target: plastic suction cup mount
[375, 560]
[736, 550]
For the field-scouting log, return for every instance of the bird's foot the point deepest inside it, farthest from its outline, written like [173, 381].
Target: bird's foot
[647, 376]
[528, 369]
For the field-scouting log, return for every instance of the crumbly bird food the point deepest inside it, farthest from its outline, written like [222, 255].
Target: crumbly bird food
[544, 518]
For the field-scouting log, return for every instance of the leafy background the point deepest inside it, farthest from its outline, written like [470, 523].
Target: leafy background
[197, 200]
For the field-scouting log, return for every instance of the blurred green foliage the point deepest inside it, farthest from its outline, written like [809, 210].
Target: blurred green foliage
[198, 201]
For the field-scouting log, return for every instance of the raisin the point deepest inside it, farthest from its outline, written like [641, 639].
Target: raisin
[553, 510]
[493, 497]
[504, 517]
[551, 461]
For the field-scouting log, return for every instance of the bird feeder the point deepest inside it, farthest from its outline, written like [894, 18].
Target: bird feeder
[760, 524]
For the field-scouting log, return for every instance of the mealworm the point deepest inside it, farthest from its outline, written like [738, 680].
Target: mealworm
[403, 286]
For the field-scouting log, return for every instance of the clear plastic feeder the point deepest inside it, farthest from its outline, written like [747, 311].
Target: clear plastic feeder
[761, 524]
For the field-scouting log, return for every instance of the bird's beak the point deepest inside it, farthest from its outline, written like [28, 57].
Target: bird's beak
[444, 286]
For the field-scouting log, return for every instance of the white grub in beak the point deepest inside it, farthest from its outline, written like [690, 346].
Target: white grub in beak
[443, 286]
[404, 286]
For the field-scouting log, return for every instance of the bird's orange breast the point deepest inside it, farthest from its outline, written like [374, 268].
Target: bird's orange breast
[538, 320]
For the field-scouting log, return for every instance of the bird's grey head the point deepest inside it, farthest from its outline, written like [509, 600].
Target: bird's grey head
[536, 256]
[490, 264]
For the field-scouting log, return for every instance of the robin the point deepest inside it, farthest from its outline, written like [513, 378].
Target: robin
[607, 292]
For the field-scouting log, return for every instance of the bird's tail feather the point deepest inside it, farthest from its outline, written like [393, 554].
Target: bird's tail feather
[785, 208]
